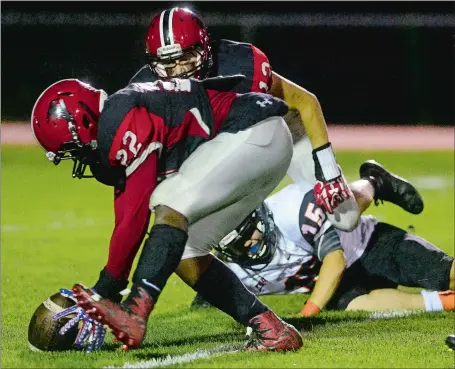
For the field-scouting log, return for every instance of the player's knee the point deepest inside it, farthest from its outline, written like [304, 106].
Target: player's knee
[358, 303]
[346, 216]
[191, 269]
[171, 217]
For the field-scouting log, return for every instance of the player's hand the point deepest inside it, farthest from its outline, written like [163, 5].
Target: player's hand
[310, 309]
[331, 194]
[330, 189]
[91, 333]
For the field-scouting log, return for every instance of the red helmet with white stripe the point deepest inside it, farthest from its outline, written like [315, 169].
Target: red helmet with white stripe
[178, 45]
[65, 122]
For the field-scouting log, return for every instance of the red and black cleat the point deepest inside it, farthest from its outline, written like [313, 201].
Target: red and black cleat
[128, 321]
[270, 333]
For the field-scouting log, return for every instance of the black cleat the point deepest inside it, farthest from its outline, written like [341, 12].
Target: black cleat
[389, 187]
[200, 303]
[450, 341]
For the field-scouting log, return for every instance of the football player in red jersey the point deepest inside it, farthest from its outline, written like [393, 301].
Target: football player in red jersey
[178, 45]
[171, 147]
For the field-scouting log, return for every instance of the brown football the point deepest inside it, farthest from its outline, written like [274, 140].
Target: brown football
[43, 332]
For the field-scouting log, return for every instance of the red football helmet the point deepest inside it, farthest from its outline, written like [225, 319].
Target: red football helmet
[64, 122]
[178, 45]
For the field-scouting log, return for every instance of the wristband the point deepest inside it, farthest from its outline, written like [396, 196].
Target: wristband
[326, 167]
[310, 309]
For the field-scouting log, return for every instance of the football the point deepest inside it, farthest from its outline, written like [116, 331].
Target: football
[43, 332]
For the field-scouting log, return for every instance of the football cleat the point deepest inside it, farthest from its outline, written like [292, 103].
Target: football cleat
[389, 187]
[128, 321]
[270, 333]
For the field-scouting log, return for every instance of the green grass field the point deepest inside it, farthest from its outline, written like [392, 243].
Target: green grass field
[55, 232]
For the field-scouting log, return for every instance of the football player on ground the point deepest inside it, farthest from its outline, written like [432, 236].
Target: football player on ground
[289, 246]
[171, 147]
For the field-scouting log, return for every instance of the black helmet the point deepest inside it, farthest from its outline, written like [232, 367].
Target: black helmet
[232, 246]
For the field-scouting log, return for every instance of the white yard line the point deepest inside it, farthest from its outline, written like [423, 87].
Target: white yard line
[172, 360]
[432, 182]
[65, 224]
[180, 359]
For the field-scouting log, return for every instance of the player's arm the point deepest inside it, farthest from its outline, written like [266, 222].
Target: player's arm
[135, 149]
[331, 189]
[132, 215]
[329, 278]
[306, 104]
[329, 251]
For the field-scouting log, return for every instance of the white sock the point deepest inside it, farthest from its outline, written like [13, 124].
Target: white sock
[432, 301]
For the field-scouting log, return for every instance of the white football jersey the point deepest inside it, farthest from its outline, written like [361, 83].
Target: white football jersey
[295, 264]
[291, 270]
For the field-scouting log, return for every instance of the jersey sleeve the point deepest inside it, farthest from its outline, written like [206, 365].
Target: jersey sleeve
[139, 135]
[316, 229]
[262, 71]
[328, 242]
[135, 147]
[132, 215]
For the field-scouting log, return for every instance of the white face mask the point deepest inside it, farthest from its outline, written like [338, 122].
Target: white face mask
[185, 65]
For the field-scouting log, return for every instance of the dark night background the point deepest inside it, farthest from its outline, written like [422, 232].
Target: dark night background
[385, 75]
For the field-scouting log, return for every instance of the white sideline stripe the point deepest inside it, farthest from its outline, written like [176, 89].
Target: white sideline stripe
[86, 223]
[180, 359]
[432, 182]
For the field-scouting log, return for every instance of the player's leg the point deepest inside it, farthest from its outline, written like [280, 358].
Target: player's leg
[212, 279]
[409, 260]
[232, 168]
[376, 183]
[393, 299]
[219, 285]
[223, 182]
[418, 263]
[390, 187]
[354, 284]
[363, 191]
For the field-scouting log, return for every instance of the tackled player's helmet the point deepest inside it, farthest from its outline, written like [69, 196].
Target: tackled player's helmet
[178, 36]
[65, 122]
[232, 246]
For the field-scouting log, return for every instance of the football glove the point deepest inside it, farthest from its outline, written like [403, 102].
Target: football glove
[91, 333]
[330, 189]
